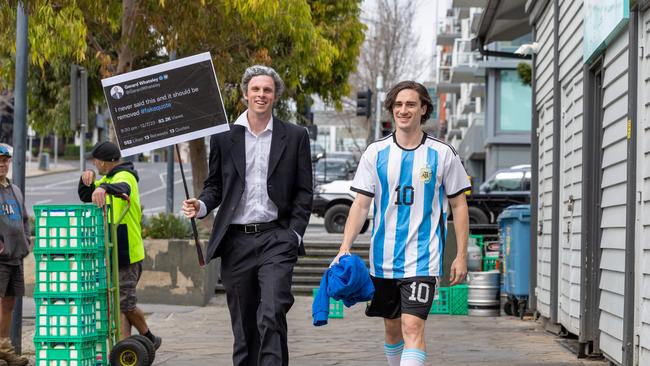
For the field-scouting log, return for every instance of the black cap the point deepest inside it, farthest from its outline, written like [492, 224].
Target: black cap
[106, 151]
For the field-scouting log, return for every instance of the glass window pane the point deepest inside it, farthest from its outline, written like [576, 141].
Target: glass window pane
[514, 103]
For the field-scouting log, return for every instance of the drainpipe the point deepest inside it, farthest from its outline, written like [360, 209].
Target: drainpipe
[557, 141]
[630, 207]
[478, 44]
[534, 187]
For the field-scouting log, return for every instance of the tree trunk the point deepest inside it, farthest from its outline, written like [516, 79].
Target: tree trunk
[199, 161]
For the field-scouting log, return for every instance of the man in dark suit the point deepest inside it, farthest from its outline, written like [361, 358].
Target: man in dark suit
[261, 182]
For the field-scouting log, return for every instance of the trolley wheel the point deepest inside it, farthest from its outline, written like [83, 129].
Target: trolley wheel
[507, 308]
[129, 352]
[146, 342]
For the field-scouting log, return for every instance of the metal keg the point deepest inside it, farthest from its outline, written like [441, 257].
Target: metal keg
[474, 258]
[483, 293]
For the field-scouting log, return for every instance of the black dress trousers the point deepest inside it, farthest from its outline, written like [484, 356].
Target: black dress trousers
[256, 271]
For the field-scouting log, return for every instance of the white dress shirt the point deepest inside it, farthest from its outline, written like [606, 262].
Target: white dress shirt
[255, 205]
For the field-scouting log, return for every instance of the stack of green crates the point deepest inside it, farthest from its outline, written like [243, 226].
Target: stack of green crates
[450, 300]
[67, 251]
[336, 306]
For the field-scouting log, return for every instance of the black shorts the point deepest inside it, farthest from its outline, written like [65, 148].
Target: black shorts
[12, 280]
[393, 297]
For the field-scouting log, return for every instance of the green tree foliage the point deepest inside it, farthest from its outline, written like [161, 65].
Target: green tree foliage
[313, 44]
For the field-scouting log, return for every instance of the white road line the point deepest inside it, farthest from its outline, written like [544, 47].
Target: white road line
[164, 186]
[39, 193]
[61, 182]
[42, 202]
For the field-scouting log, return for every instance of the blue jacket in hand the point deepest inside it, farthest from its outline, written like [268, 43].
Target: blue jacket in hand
[348, 280]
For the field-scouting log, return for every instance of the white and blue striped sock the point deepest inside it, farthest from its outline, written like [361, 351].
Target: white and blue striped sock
[413, 357]
[393, 353]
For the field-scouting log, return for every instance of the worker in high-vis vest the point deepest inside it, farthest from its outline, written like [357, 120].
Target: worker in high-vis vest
[120, 178]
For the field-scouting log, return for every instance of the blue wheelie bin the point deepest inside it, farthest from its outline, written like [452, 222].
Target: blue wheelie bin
[514, 229]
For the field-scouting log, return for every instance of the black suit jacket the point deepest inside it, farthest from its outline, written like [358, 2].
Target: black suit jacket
[289, 180]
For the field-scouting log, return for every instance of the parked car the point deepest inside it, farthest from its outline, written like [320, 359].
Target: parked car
[514, 179]
[317, 151]
[328, 169]
[504, 188]
[351, 157]
[332, 201]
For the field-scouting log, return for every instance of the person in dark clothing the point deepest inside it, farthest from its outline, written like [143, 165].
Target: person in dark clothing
[260, 179]
[121, 178]
[14, 246]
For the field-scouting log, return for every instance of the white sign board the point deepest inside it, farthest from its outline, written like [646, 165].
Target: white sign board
[165, 104]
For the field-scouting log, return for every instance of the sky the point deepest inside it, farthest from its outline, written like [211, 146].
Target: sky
[424, 26]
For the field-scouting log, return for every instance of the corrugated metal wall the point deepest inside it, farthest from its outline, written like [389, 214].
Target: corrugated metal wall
[614, 148]
[571, 77]
[544, 107]
[643, 164]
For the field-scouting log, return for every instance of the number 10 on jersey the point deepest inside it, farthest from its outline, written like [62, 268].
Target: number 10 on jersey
[405, 195]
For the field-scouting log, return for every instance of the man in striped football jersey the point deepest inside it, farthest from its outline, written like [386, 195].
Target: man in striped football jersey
[413, 179]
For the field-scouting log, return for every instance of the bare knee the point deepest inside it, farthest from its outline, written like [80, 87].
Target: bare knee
[393, 329]
[7, 303]
[413, 330]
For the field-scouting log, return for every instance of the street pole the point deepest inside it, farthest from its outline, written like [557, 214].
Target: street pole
[19, 138]
[380, 86]
[83, 114]
[56, 150]
[170, 164]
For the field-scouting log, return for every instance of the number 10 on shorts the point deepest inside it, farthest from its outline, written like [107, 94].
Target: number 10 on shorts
[420, 292]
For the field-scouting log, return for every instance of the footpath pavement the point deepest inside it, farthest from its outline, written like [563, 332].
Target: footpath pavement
[31, 168]
[201, 336]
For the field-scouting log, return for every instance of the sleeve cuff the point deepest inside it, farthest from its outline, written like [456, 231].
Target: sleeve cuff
[298, 235]
[203, 211]
[460, 192]
[365, 193]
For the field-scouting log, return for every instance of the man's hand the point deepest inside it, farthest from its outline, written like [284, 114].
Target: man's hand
[341, 253]
[99, 197]
[191, 208]
[458, 271]
[88, 177]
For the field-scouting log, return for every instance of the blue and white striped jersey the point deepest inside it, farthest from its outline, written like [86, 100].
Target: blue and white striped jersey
[410, 190]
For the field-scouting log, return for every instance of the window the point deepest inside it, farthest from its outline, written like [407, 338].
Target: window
[514, 103]
[506, 181]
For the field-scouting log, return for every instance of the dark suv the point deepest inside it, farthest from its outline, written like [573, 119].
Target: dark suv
[512, 180]
[504, 188]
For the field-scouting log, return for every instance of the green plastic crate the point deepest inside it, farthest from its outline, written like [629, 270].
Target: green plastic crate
[64, 228]
[336, 307]
[65, 353]
[101, 312]
[100, 274]
[61, 275]
[65, 318]
[478, 239]
[458, 300]
[440, 303]
[490, 263]
[101, 351]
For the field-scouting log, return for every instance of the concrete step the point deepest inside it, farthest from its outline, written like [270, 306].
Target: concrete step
[322, 252]
[309, 270]
[356, 247]
[307, 280]
[313, 262]
[303, 289]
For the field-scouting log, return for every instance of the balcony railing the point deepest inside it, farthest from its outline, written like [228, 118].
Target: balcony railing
[463, 54]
